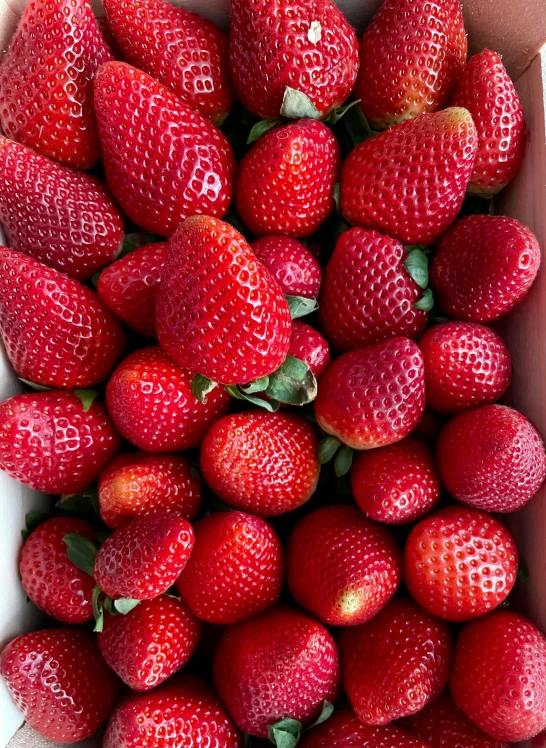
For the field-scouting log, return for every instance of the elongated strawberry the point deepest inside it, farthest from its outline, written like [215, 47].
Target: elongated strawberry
[309, 346]
[293, 266]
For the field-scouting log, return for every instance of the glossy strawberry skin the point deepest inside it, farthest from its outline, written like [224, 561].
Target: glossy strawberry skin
[363, 386]
[181, 50]
[60, 682]
[356, 576]
[491, 458]
[367, 295]
[278, 664]
[48, 441]
[488, 93]
[293, 266]
[48, 105]
[263, 463]
[499, 676]
[286, 180]
[58, 216]
[150, 400]
[219, 311]
[159, 174]
[396, 484]
[483, 267]
[428, 161]
[244, 557]
[309, 346]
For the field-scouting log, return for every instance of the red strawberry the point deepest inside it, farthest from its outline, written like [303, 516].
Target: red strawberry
[410, 181]
[488, 93]
[499, 676]
[150, 400]
[48, 105]
[60, 682]
[144, 558]
[285, 183]
[310, 347]
[244, 557]
[150, 643]
[129, 287]
[460, 563]
[396, 484]
[63, 218]
[135, 484]
[373, 396]
[48, 441]
[483, 267]
[184, 52]
[491, 458]
[465, 365]
[264, 463]
[350, 582]
[159, 173]
[395, 663]
[293, 266]
[412, 56]
[368, 295]
[55, 331]
[307, 45]
[219, 311]
[278, 664]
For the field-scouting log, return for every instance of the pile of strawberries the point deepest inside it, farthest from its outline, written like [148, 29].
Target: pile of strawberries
[240, 494]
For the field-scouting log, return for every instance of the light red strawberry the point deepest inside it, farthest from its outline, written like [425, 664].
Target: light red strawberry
[293, 266]
[410, 181]
[159, 173]
[309, 346]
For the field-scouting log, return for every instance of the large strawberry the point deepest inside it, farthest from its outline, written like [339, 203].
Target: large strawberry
[294, 267]
[159, 173]
[48, 104]
[410, 181]
[309, 346]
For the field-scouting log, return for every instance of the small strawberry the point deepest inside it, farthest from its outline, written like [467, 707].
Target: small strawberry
[356, 576]
[285, 183]
[60, 682]
[293, 266]
[488, 93]
[396, 663]
[491, 458]
[484, 266]
[410, 181]
[396, 484]
[310, 347]
[499, 676]
[244, 557]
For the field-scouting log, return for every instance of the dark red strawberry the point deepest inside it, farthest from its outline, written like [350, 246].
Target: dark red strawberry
[293, 266]
[310, 347]
[158, 173]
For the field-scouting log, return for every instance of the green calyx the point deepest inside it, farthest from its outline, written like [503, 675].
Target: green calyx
[416, 264]
[87, 398]
[330, 447]
[297, 105]
[287, 732]
[300, 306]
[201, 386]
[80, 503]
[261, 127]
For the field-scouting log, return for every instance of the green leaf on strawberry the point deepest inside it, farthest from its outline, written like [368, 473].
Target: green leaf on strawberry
[81, 551]
[87, 398]
[258, 385]
[326, 713]
[426, 302]
[80, 503]
[327, 449]
[239, 394]
[286, 733]
[38, 387]
[98, 609]
[260, 128]
[201, 386]
[336, 114]
[32, 521]
[357, 126]
[343, 461]
[416, 264]
[300, 306]
[293, 383]
[297, 105]
[125, 605]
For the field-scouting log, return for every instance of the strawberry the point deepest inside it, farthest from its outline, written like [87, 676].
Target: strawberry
[63, 218]
[264, 463]
[499, 676]
[135, 484]
[368, 295]
[244, 557]
[396, 484]
[279, 664]
[410, 181]
[148, 644]
[310, 347]
[48, 105]
[129, 287]
[396, 663]
[374, 396]
[307, 45]
[465, 365]
[460, 563]
[181, 50]
[159, 174]
[144, 558]
[491, 458]
[412, 56]
[55, 331]
[355, 578]
[488, 93]
[285, 183]
[150, 400]
[50, 442]
[484, 266]
[293, 266]
[59, 681]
